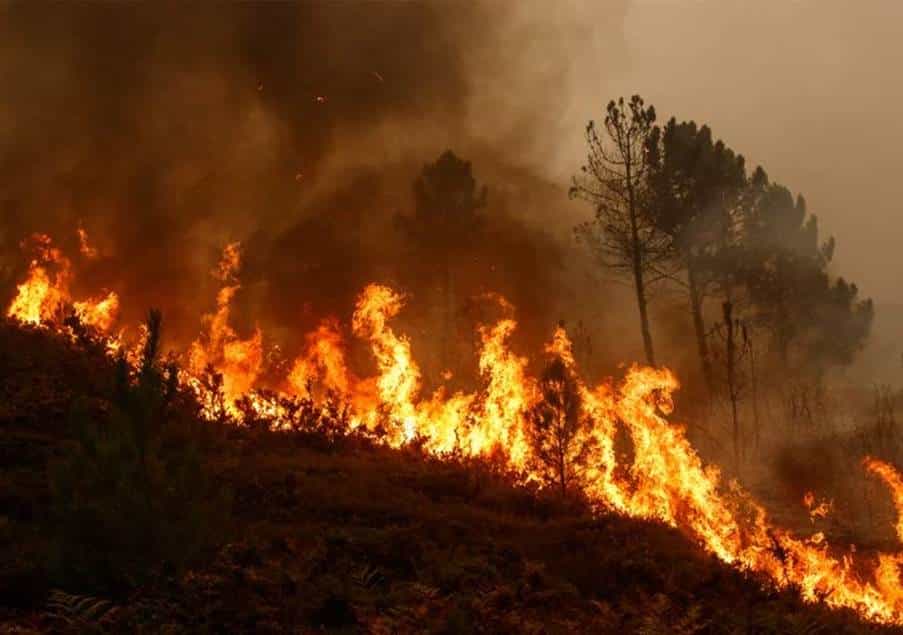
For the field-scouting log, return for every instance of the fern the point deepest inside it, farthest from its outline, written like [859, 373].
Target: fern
[368, 577]
[81, 612]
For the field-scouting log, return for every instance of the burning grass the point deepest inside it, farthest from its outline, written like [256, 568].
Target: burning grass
[344, 532]
[663, 480]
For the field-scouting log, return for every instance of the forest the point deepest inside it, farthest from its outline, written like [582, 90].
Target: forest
[276, 356]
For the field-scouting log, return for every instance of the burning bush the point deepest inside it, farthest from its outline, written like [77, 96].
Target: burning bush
[130, 490]
[559, 429]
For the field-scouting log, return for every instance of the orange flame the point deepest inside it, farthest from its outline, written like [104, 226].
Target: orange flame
[46, 291]
[499, 426]
[46, 288]
[84, 246]
[816, 510]
[894, 482]
[399, 378]
[238, 361]
[323, 363]
[101, 314]
[662, 479]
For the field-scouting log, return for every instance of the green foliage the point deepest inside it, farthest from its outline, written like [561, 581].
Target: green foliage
[749, 241]
[811, 318]
[133, 493]
[695, 187]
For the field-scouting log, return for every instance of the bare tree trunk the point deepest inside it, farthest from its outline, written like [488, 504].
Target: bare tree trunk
[562, 458]
[699, 324]
[731, 379]
[644, 315]
[755, 395]
[639, 282]
[448, 326]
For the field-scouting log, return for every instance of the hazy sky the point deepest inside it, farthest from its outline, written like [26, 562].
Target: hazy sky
[809, 89]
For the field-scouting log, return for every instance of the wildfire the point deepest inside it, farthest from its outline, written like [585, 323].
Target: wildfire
[894, 482]
[46, 288]
[101, 314]
[499, 426]
[662, 479]
[816, 510]
[44, 294]
[399, 377]
[322, 364]
[238, 361]
[84, 246]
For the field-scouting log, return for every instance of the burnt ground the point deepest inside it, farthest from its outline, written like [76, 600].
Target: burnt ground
[344, 536]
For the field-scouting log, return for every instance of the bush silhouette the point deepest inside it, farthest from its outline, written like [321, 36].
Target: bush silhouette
[133, 494]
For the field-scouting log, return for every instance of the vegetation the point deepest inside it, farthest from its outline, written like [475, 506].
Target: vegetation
[276, 483]
[132, 493]
[558, 429]
[326, 531]
[696, 189]
[677, 207]
[446, 219]
[623, 235]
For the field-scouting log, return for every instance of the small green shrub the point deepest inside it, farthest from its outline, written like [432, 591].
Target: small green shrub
[133, 495]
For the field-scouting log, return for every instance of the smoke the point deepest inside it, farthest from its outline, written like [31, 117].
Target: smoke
[168, 130]
[806, 89]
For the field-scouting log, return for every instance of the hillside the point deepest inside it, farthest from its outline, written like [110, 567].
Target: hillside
[341, 535]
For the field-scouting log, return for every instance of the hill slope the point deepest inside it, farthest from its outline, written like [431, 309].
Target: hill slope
[350, 537]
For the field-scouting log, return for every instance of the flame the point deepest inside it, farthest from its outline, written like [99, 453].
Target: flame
[84, 246]
[499, 426]
[46, 288]
[444, 424]
[816, 510]
[237, 360]
[229, 263]
[600, 482]
[894, 482]
[322, 364]
[45, 291]
[399, 377]
[101, 314]
[662, 478]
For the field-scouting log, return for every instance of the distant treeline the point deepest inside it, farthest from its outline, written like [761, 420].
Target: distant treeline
[672, 204]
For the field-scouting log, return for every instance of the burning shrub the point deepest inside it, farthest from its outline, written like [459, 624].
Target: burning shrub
[558, 429]
[267, 411]
[134, 492]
